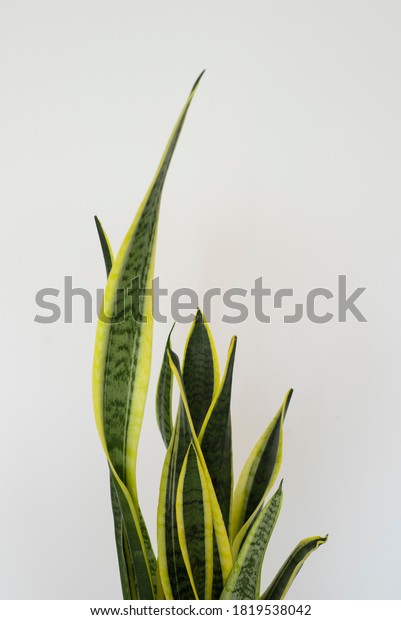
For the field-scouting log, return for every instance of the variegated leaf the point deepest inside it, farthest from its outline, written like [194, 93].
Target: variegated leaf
[124, 561]
[195, 525]
[122, 361]
[220, 531]
[291, 567]
[164, 395]
[258, 475]
[174, 577]
[200, 370]
[244, 580]
[216, 440]
[216, 443]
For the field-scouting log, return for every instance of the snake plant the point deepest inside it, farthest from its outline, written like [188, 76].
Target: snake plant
[211, 541]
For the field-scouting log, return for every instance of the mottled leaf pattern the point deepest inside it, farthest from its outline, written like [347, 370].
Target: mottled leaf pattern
[216, 442]
[164, 394]
[125, 560]
[195, 525]
[174, 576]
[259, 474]
[124, 334]
[122, 363]
[200, 370]
[244, 580]
[210, 544]
[220, 531]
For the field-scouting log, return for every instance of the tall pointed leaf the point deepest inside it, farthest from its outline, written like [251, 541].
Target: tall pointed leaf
[244, 580]
[291, 567]
[200, 370]
[124, 334]
[259, 473]
[122, 357]
[220, 531]
[216, 441]
[125, 560]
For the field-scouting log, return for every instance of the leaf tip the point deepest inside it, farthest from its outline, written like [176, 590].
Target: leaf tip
[169, 335]
[198, 80]
[287, 400]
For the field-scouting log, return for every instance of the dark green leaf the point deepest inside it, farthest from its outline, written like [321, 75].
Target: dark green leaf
[120, 535]
[199, 371]
[259, 472]
[144, 586]
[216, 442]
[173, 572]
[195, 525]
[105, 245]
[291, 567]
[244, 580]
[164, 393]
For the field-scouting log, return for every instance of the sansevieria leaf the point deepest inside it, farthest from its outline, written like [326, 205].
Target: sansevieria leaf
[123, 555]
[200, 370]
[291, 567]
[105, 245]
[258, 475]
[211, 541]
[220, 531]
[125, 560]
[164, 394]
[216, 440]
[174, 576]
[244, 580]
[124, 332]
[122, 359]
[176, 579]
[138, 557]
[195, 525]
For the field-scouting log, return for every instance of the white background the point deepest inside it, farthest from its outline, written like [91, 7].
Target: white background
[288, 168]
